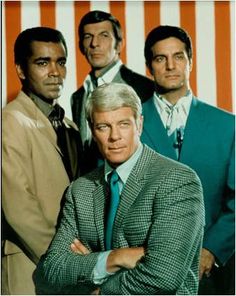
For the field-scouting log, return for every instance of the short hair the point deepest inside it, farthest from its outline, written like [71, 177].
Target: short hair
[112, 96]
[22, 47]
[97, 16]
[163, 32]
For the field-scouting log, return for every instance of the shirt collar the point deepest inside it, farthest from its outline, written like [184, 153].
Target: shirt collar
[184, 102]
[43, 106]
[125, 168]
[106, 77]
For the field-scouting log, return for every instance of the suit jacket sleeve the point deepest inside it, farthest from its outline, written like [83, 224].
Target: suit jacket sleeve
[76, 276]
[173, 241]
[220, 238]
[20, 204]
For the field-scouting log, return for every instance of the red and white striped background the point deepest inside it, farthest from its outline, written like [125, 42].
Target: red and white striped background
[211, 25]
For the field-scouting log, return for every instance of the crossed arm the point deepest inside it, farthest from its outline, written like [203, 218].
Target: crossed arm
[117, 259]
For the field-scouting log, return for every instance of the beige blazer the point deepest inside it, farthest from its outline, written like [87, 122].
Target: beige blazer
[33, 182]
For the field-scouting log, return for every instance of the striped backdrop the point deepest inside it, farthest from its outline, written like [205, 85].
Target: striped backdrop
[211, 25]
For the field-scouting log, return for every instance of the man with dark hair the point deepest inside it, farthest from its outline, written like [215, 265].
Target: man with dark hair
[41, 151]
[180, 126]
[133, 226]
[101, 41]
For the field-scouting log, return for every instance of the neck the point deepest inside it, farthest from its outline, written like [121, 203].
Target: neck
[172, 96]
[33, 95]
[97, 72]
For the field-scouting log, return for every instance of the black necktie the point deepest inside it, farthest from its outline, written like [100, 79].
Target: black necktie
[56, 118]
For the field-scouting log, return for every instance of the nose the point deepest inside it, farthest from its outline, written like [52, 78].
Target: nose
[170, 63]
[115, 133]
[53, 70]
[94, 41]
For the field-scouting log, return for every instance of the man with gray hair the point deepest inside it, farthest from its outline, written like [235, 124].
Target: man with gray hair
[132, 226]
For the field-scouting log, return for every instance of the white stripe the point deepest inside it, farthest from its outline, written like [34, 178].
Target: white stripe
[100, 5]
[4, 68]
[170, 14]
[205, 50]
[233, 66]
[135, 36]
[30, 14]
[65, 23]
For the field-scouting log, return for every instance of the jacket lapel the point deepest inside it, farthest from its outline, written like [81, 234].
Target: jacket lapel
[131, 190]
[100, 194]
[195, 132]
[38, 119]
[154, 133]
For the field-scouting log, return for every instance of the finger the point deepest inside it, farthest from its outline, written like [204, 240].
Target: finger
[75, 249]
[201, 272]
[80, 247]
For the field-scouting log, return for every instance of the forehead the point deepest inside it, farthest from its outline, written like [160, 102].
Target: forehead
[171, 44]
[47, 49]
[98, 27]
[113, 116]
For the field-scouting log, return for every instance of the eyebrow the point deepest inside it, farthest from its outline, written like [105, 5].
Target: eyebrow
[48, 59]
[164, 55]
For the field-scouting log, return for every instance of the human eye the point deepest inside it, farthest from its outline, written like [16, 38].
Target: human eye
[124, 124]
[87, 36]
[105, 34]
[179, 56]
[102, 127]
[41, 63]
[159, 59]
[62, 63]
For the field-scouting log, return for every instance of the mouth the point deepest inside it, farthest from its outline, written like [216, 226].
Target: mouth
[172, 77]
[53, 84]
[96, 55]
[116, 149]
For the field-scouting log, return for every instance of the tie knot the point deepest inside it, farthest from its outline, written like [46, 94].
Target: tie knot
[114, 177]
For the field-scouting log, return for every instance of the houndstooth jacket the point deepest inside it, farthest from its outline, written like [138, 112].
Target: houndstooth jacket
[161, 208]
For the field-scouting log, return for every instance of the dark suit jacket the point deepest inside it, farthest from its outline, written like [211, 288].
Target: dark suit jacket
[143, 86]
[209, 149]
[161, 208]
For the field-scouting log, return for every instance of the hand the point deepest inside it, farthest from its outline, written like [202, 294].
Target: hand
[207, 260]
[124, 258]
[79, 248]
[96, 292]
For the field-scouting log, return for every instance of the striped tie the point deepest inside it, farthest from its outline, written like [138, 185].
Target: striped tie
[114, 202]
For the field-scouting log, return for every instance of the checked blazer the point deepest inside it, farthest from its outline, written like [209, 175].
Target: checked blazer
[161, 208]
[209, 149]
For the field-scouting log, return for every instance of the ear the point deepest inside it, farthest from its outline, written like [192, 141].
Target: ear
[140, 125]
[20, 72]
[190, 65]
[149, 68]
[120, 45]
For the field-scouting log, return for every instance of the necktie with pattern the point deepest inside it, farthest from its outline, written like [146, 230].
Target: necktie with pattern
[174, 127]
[114, 202]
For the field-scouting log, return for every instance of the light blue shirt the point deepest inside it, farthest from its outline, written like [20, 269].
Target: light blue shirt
[100, 273]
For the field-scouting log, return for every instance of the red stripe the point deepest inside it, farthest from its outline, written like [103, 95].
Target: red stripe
[48, 14]
[82, 67]
[13, 28]
[188, 22]
[151, 18]
[117, 8]
[223, 55]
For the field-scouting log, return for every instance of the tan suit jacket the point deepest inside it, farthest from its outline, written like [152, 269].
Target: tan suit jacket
[33, 182]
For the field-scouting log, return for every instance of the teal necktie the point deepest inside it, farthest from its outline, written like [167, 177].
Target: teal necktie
[114, 202]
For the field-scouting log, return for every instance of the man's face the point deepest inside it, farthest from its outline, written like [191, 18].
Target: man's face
[117, 134]
[45, 71]
[171, 66]
[99, 44]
